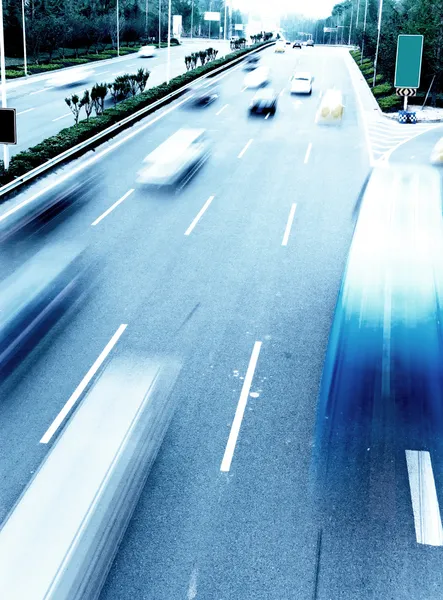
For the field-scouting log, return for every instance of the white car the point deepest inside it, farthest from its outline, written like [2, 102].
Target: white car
[301, 83]
[437, 153]
[257, 78]
[69, 77]
[176, 160]
[147, 51]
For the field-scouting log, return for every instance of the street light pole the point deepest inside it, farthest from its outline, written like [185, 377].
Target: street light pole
[24, 39]
[358, 12]
[226, 15]
[159, 22]
[378, 41]
[168, 76]
[147, 31]
[364, 32]
[192, 17]
[118, 31]
[3, 81]
[350, 28]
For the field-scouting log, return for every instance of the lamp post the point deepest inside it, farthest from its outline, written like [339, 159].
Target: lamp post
[159, 22]
[192, 17]
[168, 71]
[226, 15]
[24, 39]
[3, 81]
[118, 30]
[378, 41]
[364, 32]
[147, 28]
[350, 27]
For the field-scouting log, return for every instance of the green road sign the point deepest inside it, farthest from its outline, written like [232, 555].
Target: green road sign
[408, 63]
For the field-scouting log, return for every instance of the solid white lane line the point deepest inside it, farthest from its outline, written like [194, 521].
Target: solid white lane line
[289, 225]
[241, 406]
[245, 148]
[62, 117]
[221, 110]
[43, 90]
[25, 111]
[82, 386]
[106, 213]
[427, 519]
[200, 214]
[308, 152]
[91, 161]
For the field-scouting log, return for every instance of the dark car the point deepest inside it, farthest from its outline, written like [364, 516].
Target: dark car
[288, 43]
[251, 62]
[264, 101]
[297, 45]
[205, 96]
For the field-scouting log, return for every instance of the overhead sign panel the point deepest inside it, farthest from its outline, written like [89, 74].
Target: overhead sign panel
[329, 29]
[8, 126]
[212, 16]
[408, 63]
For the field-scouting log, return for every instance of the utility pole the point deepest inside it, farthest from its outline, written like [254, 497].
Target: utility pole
[168, 76]
[118, 31]
[3, 81]
[364, 32]
[378, 41]
[24, 39]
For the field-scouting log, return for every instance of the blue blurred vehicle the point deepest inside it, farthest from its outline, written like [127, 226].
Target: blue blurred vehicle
[382, 384]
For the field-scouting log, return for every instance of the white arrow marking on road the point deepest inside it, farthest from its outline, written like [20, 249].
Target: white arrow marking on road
[241, 407]
[427, 519]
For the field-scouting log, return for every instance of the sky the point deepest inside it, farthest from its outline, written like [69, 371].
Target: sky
[313, 8]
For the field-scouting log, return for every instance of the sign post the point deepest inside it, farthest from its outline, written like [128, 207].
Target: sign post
[408, 65]
[8, 126]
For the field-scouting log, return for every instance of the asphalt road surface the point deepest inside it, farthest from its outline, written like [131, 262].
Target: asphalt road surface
[246, 292]
[42, 110]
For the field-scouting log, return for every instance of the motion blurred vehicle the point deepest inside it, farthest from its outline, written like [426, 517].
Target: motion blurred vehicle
[310, 43]
[382, 384]
[301, 83]
[176, 160]
[437, 153]
[257, 78]
[280, 46]
[288, 43]
[31, 297]
[252, 62]
[331, 107]
[205, 96]
[70, 77]
[75, 189]
[297, 45]
[147, 51]
[264, 102]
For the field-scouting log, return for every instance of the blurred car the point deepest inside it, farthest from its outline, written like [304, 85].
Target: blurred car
[257, 78]
[69, 77]
[176, 160]
[252, 62]
[296, 45]
[31, 297]
[437, 153]
[288, 43]
[310, 43]
[382, 383]
[280, 46]
[264, 101]
[147, 51]
[205, 96]
[76, 188]
[331, 107]
[301, 83]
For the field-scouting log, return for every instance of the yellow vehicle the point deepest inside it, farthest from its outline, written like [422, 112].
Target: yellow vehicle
[280, 46]
[331, 107]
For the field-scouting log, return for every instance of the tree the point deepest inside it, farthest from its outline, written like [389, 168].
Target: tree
[98, 95]
[75, 105]
[88, 103]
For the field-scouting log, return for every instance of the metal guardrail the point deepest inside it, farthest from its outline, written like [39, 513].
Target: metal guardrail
[103, 135]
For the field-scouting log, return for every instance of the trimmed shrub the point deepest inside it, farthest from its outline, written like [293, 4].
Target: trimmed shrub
[382, 90]
[12, 74]
[390, 103]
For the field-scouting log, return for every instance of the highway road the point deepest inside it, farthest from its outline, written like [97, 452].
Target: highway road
[42, 110]
[243, 292]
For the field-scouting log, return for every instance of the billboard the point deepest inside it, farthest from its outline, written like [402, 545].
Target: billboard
[177, 26]
[212, 16]
[408, 63]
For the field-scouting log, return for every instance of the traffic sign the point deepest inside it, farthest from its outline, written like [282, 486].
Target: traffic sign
[408, 63]
[8, 126]
[405, 92]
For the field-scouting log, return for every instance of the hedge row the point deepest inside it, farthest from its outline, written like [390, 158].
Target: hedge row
[15, 72]
[387, 101]
[29, 159]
